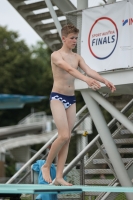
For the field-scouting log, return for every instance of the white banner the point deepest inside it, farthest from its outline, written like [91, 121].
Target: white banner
[107, 36]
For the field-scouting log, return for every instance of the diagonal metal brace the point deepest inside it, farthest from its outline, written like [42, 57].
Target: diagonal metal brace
[54, 16]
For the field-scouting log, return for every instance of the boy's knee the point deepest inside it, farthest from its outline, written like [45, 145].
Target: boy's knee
[65, 138]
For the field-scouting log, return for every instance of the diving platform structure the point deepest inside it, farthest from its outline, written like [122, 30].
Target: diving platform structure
[60, 14]
[14, 101]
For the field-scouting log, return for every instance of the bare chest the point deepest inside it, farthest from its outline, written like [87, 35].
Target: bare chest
[71, 60]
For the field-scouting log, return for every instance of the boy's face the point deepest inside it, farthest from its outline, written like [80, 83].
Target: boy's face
[70, 40]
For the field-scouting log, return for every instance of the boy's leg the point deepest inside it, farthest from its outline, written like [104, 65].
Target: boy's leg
[60, 118]
[71, 118]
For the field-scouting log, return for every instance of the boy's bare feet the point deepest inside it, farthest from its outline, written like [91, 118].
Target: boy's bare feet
[61, 181]
[46, 174]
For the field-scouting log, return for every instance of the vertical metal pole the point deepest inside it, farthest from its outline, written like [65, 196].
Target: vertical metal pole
[82, 179]
[107, 140]
[54, 16]
[84, 144]
[81, 4]
[79, 148]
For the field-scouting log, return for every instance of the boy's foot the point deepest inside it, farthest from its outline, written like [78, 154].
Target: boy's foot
[61, 181]
[46, 174]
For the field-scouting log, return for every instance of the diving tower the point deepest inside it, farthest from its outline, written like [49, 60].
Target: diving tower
[15, 101]
[47, 23]
[120, 76]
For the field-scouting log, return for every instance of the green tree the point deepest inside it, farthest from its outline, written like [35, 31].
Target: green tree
[23, 71]
[43, 54]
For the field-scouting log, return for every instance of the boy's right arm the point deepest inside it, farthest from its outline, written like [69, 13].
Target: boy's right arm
[59, 62]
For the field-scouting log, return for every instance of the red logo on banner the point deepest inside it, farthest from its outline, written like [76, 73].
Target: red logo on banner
[103, 38]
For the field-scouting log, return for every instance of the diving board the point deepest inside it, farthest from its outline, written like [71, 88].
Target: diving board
[52, 189]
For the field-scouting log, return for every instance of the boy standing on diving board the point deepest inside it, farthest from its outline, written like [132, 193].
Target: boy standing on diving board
[62, 99]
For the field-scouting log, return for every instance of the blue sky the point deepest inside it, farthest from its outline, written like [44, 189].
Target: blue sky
[11, 18]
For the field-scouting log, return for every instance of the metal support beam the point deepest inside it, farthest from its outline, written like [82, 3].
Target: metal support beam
[81, 4]
[111, 1]
[107, 140]
[81, 141]
[112, 110]
[82, 177]
[54, 16]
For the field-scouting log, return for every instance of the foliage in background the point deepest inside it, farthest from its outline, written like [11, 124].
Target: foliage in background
[10, 166]
[23, 71]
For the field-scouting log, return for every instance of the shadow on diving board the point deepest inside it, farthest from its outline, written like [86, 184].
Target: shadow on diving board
[52, 189]
[60, 191]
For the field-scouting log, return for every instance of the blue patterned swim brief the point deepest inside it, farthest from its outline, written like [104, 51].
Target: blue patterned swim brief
[66, 100]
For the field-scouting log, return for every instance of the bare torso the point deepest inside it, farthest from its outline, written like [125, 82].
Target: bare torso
[63, 81]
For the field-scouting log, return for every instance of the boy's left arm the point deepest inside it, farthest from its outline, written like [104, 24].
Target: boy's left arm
[92, 73]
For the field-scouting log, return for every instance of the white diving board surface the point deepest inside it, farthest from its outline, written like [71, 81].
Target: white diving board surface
[52, 189]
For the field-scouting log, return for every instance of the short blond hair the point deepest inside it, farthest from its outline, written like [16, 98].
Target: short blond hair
[67, 29]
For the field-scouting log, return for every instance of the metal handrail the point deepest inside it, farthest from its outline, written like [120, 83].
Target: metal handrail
[29, 172]
[40, 151]
[79, 122]
[32, 115]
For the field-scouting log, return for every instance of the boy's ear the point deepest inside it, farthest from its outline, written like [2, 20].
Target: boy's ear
[63, 38]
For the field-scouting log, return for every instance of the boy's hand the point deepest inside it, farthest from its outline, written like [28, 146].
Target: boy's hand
[95, 85]
[110, 85]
